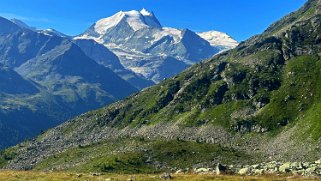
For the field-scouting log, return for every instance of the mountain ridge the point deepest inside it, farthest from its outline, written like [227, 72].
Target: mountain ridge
[53, 94]
[48, 95]
[135, 41]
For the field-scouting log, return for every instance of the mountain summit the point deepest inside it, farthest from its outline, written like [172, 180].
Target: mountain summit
[135, 19]
[143, 45]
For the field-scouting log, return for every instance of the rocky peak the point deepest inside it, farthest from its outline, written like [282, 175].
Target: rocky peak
[135, 19]
[7, 26]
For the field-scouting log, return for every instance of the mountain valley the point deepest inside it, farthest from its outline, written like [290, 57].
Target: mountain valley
[256, 103]
[48, 77]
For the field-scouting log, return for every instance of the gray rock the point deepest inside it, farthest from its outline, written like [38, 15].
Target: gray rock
[96, 174]
[285, 168]
[258, 171]
[202, 170]
[166, 176]
[244, 171]
[296, 166]
[310, 171]
[220, 169]
[318, 162]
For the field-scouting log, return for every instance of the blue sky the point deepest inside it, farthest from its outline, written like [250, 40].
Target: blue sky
[239, 18]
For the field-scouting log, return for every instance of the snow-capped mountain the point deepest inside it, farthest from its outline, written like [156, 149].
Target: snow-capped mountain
[216, 38]
[136, 20]
[53, 32]
[144, 46]
[96, 51]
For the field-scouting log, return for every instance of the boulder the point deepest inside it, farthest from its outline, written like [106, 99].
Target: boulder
[166, 176]
[220, 169]
[95, 174]
[202, 170]
[179, 171]
[298, 172]
[244, 171]
[256, 166]
[296, 166]
[310, 171]
[306, 165]
[258, 171]
[318, 172]
[318, 162]
[285, 168]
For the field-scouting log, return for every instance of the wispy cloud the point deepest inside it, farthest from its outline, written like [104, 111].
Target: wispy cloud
[23, 18]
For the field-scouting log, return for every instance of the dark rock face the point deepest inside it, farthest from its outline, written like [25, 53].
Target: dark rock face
[105, 57]
[99, 53]
[193, 44]
[12, 83]
[7, 27]
[220, 169]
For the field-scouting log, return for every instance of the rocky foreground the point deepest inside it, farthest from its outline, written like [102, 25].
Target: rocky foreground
[44, 176]
[307, 169]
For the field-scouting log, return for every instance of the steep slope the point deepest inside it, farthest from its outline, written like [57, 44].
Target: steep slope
[257, 102]
[92, 49]
[46, 79]
[53, 32]
[11, 82]
[219, 39]
[67, 72]
[13, 87]
[138, 37]
[22, 24]
[105, 57]
[20, 44]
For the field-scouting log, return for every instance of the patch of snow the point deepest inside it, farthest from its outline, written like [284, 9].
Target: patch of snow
[216, 38]
[52, 32]
[103, 25]
[144, 12]
[135, 20]
[86, 36]
[173, 32]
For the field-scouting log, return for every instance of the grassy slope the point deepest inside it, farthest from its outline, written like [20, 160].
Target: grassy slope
[299, 92]
[140, 156]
